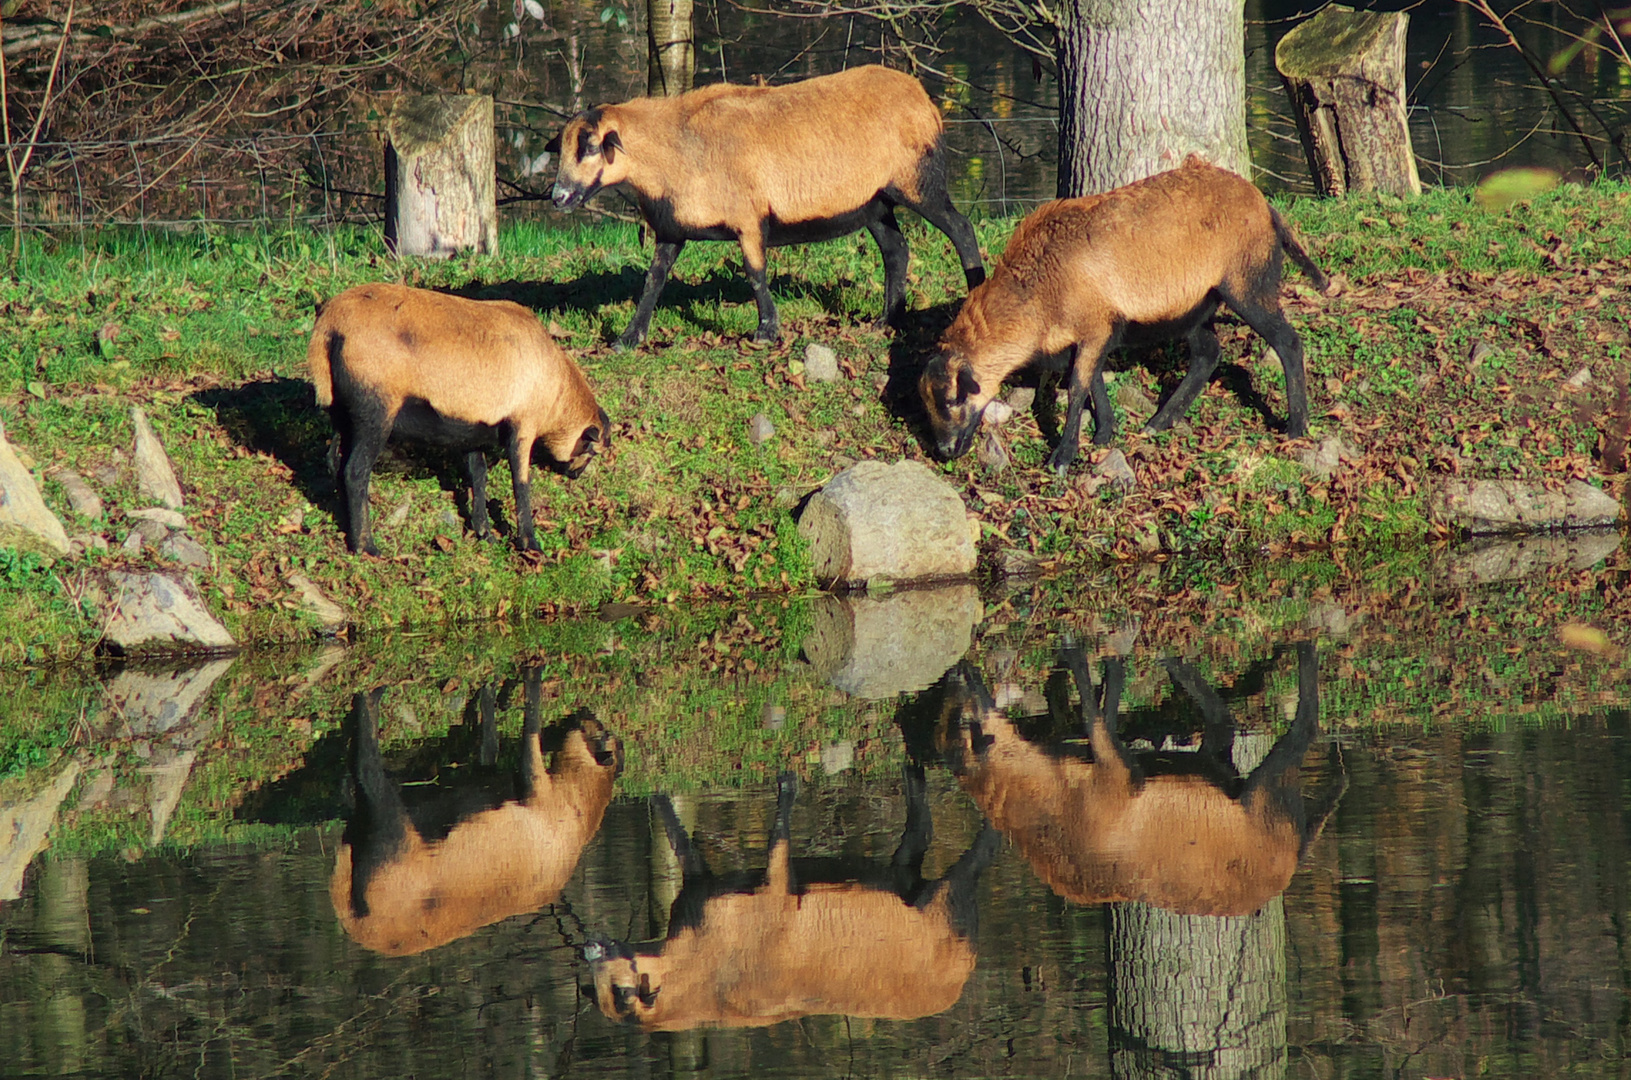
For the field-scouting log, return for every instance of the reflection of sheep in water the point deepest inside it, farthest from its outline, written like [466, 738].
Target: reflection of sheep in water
[803, 937]
[1104, 830]
[399, 889]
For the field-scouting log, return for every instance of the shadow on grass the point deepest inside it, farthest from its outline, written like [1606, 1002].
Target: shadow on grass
[280, 417]
[702, 301]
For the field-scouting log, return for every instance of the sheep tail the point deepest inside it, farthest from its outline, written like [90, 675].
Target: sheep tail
[1288, 241]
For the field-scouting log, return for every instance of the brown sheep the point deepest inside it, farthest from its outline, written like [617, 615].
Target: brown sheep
[804, 937]
[768, 166]
[470, 374]
[1108, 830]
[1145, 263]
[397, 890]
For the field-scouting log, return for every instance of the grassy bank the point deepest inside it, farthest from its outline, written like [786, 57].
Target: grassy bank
[1448, 349]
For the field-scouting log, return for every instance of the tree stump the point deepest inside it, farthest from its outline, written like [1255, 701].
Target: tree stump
[440, 191]
[1344, 70]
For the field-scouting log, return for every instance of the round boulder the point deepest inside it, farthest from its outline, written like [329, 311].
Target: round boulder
[899, 522]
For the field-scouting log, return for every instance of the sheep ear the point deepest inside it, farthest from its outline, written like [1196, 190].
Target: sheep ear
[967, 384]
[646, 994]
[587, 442]
[611, 142]
[553, 146]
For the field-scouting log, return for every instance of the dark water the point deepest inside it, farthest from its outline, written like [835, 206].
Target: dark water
[336, 864]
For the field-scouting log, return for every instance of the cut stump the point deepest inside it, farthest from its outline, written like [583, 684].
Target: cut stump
[440, 192]
[1344, 71]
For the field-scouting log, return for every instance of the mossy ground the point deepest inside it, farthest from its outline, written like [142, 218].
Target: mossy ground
[1448, 349]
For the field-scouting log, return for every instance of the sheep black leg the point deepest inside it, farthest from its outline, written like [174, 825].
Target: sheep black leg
[919, 831]
[1104, 417]
[520, 451]
[656, 278]
[753, 261]
[936, 208]
[475, 464]
[362, 440]
[1204, 353]
[1264, 316]
[896, 258]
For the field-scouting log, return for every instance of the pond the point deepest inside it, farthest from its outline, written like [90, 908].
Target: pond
[1172, 823]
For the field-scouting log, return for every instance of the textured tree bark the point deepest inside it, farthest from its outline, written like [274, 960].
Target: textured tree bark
[1143, 83]
[1344, 70]
[671, 64]
[440, 192]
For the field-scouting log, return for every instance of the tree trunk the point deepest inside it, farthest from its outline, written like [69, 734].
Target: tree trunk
[1344, 71]
[671, 48]
[440, 192]
[1143, 83]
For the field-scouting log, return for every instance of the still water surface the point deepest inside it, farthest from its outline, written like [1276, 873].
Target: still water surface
[1029, 844]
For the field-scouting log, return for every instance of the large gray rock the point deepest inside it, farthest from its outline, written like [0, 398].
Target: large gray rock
[26, 523]
[150, 611]
[877, 647]
[900, 522]
[1494, 506]
[1518, 559]
[155, 478]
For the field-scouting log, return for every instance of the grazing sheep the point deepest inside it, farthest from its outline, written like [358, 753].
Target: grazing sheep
[1144, 263]
[470, 374]
[768, 166]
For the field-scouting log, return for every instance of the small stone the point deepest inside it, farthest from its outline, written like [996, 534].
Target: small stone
[858, 411]
[81, 497]
[786, 498]
[820, 363]
[760, 429]
[774, 717]
[1115, 469]
[133, 543]
[1269, 359]
[997, 413]
[1480, 352]
[1021, 398]
[151, 531]
[185, 550]
[991, 454]
[89, 542]
[312, 601]
[1323, 460]
[107, 475]
[155, 478]
[880, 383]
[1578, 381]
[447, 518]
[826, 437]
[398, 516]
[1133, 400]
[1013, 562]
[168, 518]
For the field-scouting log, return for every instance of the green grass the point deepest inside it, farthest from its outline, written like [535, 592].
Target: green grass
[207, 332]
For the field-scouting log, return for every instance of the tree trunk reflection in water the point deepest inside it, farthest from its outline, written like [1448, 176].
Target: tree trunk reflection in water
[1199, 996]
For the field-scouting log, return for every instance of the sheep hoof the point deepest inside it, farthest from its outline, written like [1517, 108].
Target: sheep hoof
[627, 342]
